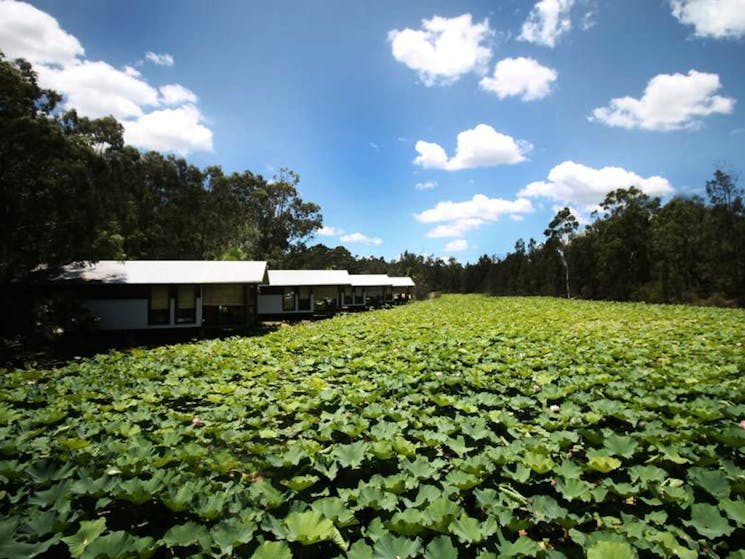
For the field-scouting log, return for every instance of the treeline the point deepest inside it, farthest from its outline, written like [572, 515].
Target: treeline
[689, 250]
[71, 190]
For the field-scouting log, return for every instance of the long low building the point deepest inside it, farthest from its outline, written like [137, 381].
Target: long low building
[148, 294]
[368, 290]
[162, 294]
[295, 292]
[403, 289]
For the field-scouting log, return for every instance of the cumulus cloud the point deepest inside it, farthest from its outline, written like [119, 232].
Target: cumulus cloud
[131, 71]
[457, 245]
[547, 21]
[427, 185]
[719, 19]
[520, 77]
[479, 207]
[443, 49]
[27, 32]
[178, 130]
[456, 228]
[456, 218]
[669, 102]
[164, 118]
[362, 239]
[328, 231]
[574, 183]
[164, 59]
[176, 94]
[481, 146]
[97, 89]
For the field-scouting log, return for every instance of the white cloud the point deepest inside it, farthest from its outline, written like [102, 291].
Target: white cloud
[164, 59]
[547, 21]
[27, 32]
[96, 88]
[720, 19]
[574, 183]
[456, 228]
[517, 217]
[481, 146]
[588, 20]
[520, 77]
[131, 71]
[670, 102]
[457, 245]
[459, 217]
[444, 49]
[328, 231]
[176, 94]
[361, 239]
[427, 185]
[179, 130]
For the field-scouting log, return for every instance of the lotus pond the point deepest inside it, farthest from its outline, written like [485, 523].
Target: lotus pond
[464, 426]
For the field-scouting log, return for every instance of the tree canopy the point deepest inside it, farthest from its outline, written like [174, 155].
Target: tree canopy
[71, 190]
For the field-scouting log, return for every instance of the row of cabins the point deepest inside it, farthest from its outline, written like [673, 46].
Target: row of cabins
[156, 294]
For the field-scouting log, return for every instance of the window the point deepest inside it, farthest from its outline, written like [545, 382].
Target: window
[186, 304]
[347, 296]
[303, 301]
[159, 311]
[375, 295]
[325, 298]
[288, 300]
[359, 296]
[224, 304]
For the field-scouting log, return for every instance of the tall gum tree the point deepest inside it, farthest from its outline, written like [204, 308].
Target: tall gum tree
[560, 232]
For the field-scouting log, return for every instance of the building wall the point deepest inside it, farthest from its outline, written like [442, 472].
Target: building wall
[119, 314]
[270, 304]
[132, 314]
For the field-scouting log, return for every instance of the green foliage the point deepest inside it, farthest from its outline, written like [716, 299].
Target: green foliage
[311, 527]
[272, 550]
[85, 536]
[610, 549]
[406, 432]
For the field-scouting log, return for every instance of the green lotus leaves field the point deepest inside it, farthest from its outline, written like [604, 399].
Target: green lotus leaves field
[464, 426]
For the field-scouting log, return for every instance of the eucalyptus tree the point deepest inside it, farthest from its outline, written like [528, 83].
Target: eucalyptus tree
[559, 233]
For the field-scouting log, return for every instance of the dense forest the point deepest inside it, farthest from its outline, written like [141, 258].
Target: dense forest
[688, 250]
[71, 190]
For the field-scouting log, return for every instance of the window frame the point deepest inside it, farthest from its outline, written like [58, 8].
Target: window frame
[158, 317]
[191, 318]
[289, 293]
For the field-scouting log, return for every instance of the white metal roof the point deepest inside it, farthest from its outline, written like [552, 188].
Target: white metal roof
[288, 278]
[370, 280]
[165, 272]
[402, 281]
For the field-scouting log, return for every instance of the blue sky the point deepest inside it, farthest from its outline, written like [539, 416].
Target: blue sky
[498, 111]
